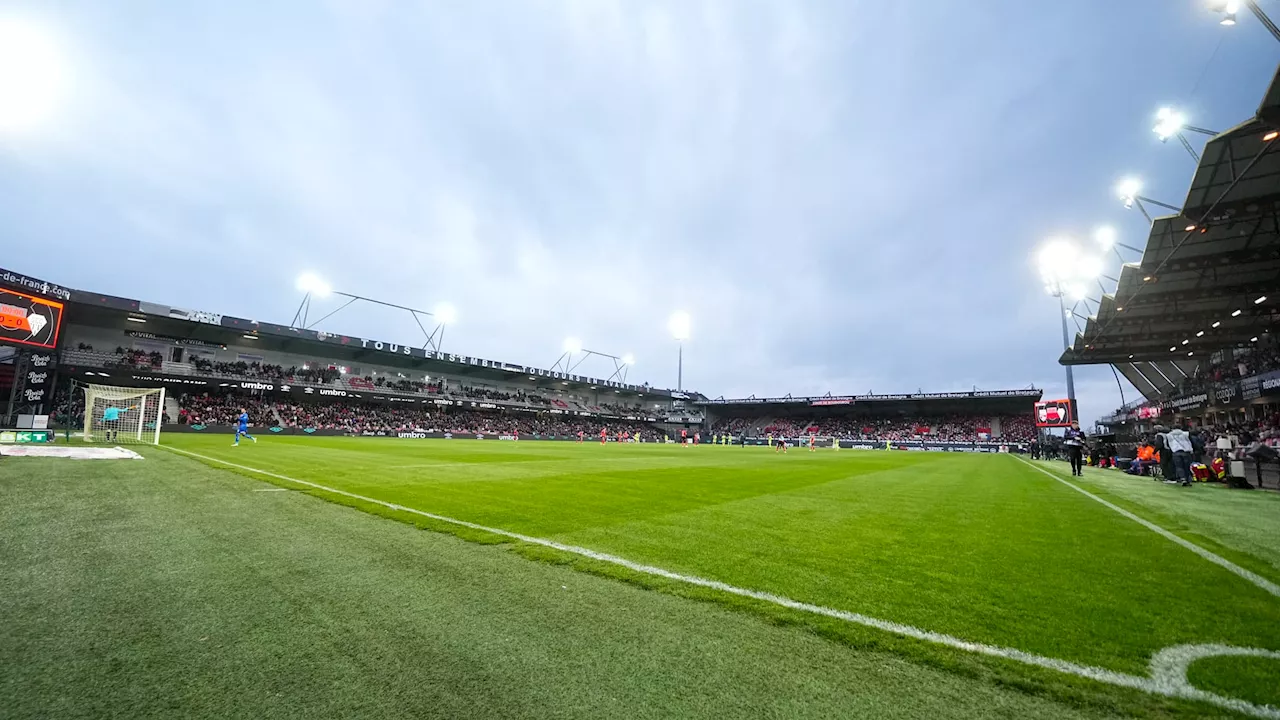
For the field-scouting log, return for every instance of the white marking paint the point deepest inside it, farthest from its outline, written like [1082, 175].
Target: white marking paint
[1214, 558]
[1167, 678]
[272, 490]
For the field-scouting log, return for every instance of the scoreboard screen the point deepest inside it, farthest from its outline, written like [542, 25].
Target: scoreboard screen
[1054, 413]
[29, 320]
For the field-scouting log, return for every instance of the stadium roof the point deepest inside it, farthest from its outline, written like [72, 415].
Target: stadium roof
[1196, 289]
[96, 309]
[995, 400]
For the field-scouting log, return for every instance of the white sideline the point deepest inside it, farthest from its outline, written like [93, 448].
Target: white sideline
[1168, 667]
[1214, 558]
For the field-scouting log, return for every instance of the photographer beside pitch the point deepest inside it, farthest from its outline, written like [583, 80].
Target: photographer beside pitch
[1073, 440]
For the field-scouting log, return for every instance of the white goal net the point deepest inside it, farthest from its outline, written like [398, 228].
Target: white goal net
[123, 416]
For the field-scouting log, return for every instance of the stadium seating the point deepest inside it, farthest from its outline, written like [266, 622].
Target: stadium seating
[1015, 428]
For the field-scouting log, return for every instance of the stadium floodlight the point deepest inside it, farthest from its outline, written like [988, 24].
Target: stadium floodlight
[1128, 190]
[679, 325]
[446, 313]
[1229, 8]
[628, 359]
[572, 345]
[1105, 237]
[32, 74]
[1067, 270]
[313, 284]
[1169, 122]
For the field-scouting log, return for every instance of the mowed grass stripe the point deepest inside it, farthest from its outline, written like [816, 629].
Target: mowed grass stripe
[1240, 525]
[1258, 580]
[164, 588]
[977, 547]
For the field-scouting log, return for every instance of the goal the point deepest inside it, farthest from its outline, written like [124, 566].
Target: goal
[122, 415]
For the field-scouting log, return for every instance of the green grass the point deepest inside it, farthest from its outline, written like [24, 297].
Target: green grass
[983, 548]
[167, 589]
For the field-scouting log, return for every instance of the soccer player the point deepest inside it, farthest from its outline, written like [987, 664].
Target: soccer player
[604, 435]
[780, 446]
[684, 437]
[580, 436]
[697, 437]
[243, 428]
[813, 439]
[111, 421]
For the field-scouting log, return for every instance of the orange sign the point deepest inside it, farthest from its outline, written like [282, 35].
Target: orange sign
[29, 320]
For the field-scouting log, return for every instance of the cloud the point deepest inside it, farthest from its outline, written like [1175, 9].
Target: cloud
[843, 194]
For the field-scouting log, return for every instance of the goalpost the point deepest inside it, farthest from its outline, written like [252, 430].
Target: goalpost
[123, 415]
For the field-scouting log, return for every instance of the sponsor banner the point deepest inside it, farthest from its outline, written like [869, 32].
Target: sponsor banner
[1147, 412]
[848, 399]
[1054, 413]
[23, 437]
[176, 340]
[1252, 388]
[33, 285]
[908, 445]
[199, 316]
[1226, 393]
[29, 320]
[37, 379]
[1189, 402]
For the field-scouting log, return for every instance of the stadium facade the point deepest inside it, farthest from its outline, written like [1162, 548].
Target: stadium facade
[1192, 324]
[108, 340]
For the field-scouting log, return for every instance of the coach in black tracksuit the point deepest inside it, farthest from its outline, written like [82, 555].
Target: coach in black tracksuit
[1073, 441]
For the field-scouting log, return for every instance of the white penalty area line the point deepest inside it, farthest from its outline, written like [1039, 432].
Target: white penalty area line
[1214, 558]
[1168, 667]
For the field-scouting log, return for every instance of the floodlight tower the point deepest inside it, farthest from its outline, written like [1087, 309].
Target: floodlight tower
[1229, 8]
[1129, 191]
[444, 314]
[1170, 123]
[1067, 270]
[312, 286]
[679, 325]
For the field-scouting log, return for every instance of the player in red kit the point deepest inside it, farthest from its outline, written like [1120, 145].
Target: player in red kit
[812, 440]
[684, 438]
[580, 435]
[604, 435]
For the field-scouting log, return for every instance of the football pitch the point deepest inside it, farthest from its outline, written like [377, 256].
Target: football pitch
[648, 580]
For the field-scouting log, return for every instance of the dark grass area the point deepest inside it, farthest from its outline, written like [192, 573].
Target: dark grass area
[163, 588]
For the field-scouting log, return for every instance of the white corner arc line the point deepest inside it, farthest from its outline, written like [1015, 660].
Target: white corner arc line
[1212, 557]
[1161, 682]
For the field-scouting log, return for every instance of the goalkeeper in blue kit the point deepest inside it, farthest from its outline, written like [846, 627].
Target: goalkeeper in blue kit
[111, 421]
[243, 428]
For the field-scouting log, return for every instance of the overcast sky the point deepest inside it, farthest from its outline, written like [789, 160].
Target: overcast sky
[845, 195]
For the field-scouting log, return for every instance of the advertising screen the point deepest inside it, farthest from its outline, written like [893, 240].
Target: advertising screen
[1054, 413]
[29, 320]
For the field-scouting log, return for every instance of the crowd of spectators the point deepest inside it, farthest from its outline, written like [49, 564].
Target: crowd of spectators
[139, 358]
[952, 428]
[360, 418]
[209, 409]
[1260, 358]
